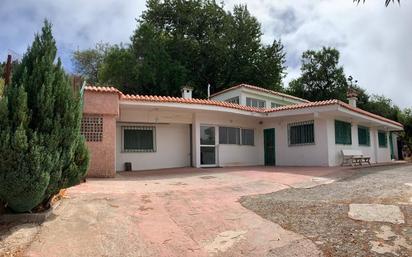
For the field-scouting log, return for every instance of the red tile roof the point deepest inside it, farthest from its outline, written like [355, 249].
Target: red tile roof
[169, 99]
[104, 89]
[264, 90]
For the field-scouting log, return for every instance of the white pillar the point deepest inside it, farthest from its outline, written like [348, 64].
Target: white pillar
[195, 141]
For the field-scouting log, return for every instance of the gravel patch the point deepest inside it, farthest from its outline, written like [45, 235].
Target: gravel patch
[321, 213]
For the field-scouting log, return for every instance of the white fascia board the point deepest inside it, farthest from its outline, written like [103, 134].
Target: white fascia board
[195, 107]
[308, 110]
[390, 126]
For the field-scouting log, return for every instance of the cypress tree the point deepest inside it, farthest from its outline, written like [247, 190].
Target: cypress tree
[41, 149]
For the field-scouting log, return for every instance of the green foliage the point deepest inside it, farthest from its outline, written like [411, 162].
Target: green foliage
[118, 68]
[193, 42]
[1, 86]
[382, 106]
[40, 143]
[322, 78]
[88, 62]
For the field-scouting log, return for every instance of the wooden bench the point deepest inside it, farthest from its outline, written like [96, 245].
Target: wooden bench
[354, 157]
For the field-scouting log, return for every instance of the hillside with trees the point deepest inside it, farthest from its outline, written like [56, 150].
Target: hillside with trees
[198, 43]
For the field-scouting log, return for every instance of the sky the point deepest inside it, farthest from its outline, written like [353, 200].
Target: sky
[375, 41]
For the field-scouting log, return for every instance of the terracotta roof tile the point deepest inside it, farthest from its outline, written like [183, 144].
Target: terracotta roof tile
[105, 89]
[264, 90]
[169, 99]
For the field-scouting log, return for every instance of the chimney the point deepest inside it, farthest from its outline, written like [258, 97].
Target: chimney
[352, 97]
[187, 92]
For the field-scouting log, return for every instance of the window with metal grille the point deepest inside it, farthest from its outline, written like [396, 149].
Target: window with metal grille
[139, 139]
[301, 133]
[248, 137]
[229, 135]
[364, 136]
[343, 133]
[383, 139]
[92, 128]
[234, 100]
[255, 102]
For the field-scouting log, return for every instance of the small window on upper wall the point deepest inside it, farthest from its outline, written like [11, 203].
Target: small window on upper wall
[248, 137]
[229, 135]
[138, 139]
[253, 102]
[383, 139]
[234, 100]
[274, 105]
[301, 133]
[343, 132]
[364, 136]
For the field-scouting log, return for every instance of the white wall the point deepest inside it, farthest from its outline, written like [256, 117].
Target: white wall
[384, 153]
[376, 153]
[172, 149]
[243, 93]
[299, 155]
[231, 155]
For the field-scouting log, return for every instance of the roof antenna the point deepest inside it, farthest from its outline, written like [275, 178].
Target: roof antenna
[208, 90]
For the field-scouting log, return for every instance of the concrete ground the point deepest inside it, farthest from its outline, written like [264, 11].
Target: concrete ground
[366, 214]
[177, 212]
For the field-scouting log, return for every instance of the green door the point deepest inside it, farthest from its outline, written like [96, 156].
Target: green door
[269, 143]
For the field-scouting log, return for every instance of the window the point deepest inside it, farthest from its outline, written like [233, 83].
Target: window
[364, 136]
[383, 139]
[248, 137]
[92, 128]
[301, 133]
[343, 133]
[234, 100]
[255, 102]
[138, 139]
[229, 135]
[274, 105]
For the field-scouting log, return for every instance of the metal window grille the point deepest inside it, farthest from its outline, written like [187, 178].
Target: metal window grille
[92, 128]
[301, 133]
[139, 138]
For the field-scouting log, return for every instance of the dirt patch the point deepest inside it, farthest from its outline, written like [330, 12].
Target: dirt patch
[321, 213]
[15, 239]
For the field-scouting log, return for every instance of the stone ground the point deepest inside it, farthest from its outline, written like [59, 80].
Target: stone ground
[366, 214]
[200, 212]
[181, 212]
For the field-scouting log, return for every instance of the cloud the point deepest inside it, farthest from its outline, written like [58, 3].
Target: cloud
[374, 41]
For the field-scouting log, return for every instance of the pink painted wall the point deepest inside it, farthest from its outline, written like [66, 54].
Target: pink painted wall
[103, 153]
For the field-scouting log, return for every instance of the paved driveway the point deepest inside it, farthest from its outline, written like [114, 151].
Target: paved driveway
[179, 212]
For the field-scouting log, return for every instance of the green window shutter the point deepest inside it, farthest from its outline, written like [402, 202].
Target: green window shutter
[383, 139]
[343, 133]
[364, 136]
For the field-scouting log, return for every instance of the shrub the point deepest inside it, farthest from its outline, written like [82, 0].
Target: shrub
[41, 149]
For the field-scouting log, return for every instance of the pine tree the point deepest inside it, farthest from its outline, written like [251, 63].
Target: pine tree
[41, 147]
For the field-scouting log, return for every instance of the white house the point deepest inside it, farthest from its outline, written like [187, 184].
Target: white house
[240, 126]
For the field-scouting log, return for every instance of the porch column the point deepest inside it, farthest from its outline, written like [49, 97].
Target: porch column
[195, 141]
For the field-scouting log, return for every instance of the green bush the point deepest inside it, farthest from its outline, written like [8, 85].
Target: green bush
[41, 149]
